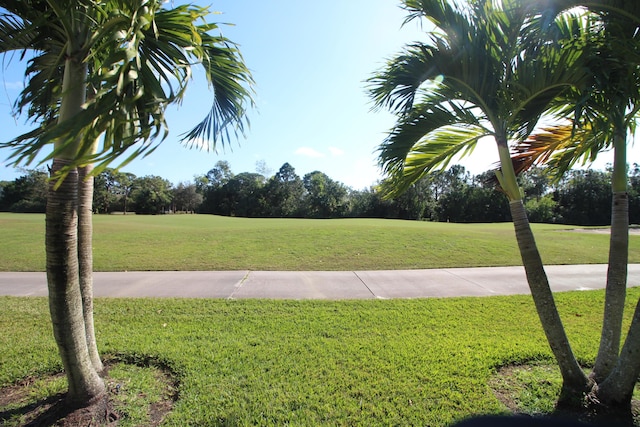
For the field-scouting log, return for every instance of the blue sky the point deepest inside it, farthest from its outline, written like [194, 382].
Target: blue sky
[310, 61]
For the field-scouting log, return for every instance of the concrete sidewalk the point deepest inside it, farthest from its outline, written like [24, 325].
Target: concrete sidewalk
[447, 282]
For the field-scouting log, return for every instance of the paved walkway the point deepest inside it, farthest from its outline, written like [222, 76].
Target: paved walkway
[446, 282]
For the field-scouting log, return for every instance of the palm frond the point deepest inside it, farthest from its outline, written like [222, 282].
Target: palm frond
[396, 86]
[454, 55]
[140, 58]
[561, 147]
[434, 152]
[474, 73]
[231, 82]
[422, 142]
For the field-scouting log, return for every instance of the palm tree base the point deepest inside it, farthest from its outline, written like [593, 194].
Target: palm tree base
[97, 409]
[596, 413]
[59, 411]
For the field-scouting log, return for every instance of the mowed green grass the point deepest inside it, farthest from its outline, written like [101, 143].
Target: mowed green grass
[259, 362]
[205, 242]
[268, 362]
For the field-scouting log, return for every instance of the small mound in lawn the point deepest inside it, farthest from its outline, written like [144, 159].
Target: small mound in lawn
[138, 395]
[533, 389]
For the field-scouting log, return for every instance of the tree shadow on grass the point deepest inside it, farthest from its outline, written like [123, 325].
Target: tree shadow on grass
[52, 410]
[20, 406]
[531, 389]
[47, 409]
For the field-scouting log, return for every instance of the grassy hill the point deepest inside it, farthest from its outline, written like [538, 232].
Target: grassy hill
[205, 242]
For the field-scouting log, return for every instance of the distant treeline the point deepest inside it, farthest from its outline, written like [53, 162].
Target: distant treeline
[582, 197]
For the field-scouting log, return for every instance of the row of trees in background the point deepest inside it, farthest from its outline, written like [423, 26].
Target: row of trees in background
[582, 197]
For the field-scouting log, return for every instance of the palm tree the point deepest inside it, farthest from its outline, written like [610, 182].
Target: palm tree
[604, 111]
[99, 78]
[476, 77]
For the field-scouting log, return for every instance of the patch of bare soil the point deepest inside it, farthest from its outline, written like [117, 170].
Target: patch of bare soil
[633, 230]
[54, 411]
[507, 387]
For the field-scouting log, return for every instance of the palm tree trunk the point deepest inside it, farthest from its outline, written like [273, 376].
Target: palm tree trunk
[63, 276]
[85, 259]
[65, 299]
[575, 382]
[617, 388]
[615, 293]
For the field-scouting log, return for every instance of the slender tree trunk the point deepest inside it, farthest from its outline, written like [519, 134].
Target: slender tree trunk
[575, 382]
[63, 276]
[616, 288]
[65, 299]
[85, 258]
[617, 388]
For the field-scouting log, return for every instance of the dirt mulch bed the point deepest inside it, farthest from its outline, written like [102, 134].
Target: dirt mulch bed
[633, 230]
[508, 388]
[17, 407]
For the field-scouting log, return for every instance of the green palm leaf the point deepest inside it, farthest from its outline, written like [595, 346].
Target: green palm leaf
[130, 83]
[421, 143]
[474, 72]
[605, 101]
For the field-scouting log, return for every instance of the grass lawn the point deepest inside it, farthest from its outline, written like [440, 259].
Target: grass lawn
[258, 362]
[205, 242]
[261, 362]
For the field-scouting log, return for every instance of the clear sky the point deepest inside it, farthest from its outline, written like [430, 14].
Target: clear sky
[310, 61]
